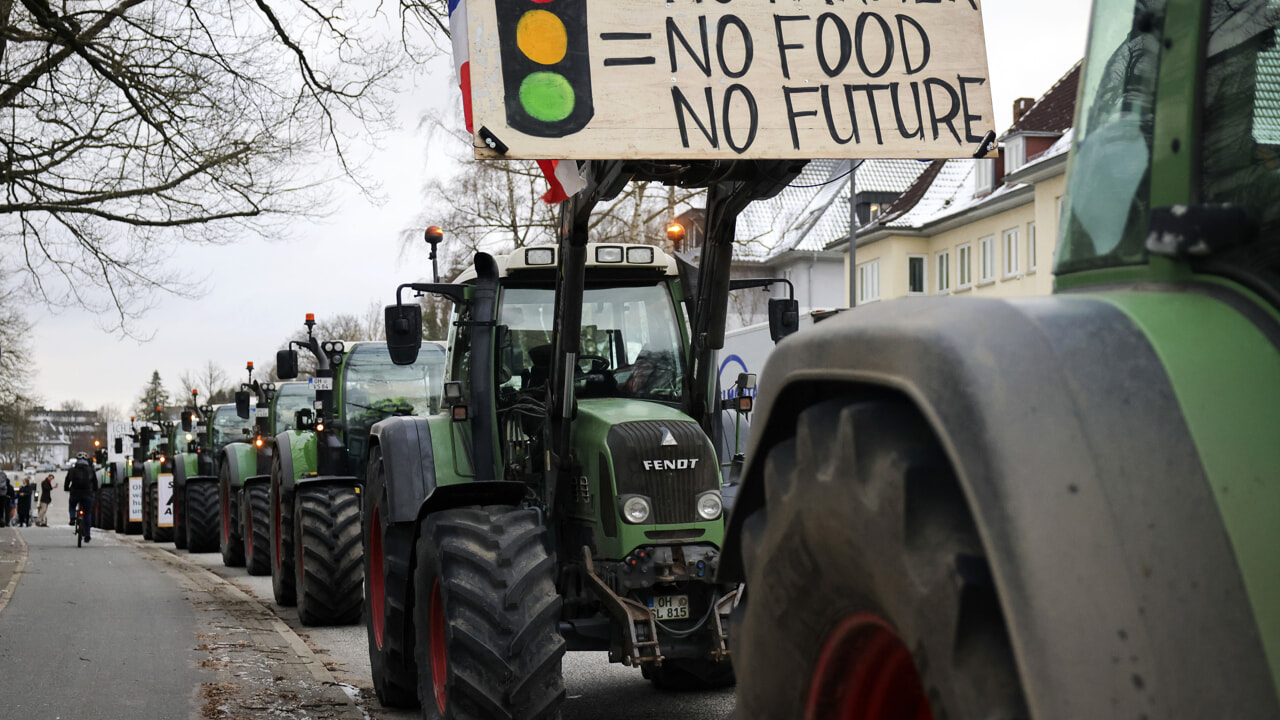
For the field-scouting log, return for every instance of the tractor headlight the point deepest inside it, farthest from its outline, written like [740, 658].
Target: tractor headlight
[710, 505]
[636, 509]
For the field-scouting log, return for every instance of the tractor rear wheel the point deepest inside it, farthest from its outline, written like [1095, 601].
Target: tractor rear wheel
[179, 506]
[230, 541]
[329, 571]
[387, 576]
[256, 514]
[869, 592]
[486, 616]
[282, 579]
[202, 516]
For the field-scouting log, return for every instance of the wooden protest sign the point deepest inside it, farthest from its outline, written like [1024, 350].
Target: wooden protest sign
[728, 79]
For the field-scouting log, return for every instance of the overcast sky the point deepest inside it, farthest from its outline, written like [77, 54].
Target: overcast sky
[353, 258]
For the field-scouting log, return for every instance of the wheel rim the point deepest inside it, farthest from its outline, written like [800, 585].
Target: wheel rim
[439, 658]
[226, 514]
[866, 672]
[377, 589]
[277, 539]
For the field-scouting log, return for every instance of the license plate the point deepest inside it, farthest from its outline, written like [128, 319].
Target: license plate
[670, 607]
[320, 383]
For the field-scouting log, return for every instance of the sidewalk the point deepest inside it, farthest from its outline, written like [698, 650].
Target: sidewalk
[13, 556]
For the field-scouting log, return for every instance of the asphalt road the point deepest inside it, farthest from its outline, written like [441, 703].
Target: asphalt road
[95, 632]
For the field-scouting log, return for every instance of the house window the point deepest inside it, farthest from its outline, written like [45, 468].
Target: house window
[944, 272]
[987, 259]
[874, 211]
[1010, 238]
[915, 274]
[869, 282]
[1015, 153]
[984, 175]
[1031, 247]
[964, 266]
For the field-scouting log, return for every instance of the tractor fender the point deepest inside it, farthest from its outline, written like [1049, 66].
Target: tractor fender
[409, 464]
[257, 480]
[239, 459]
[292, 448]
[181, 469]
[1115, 573]
[312, 480]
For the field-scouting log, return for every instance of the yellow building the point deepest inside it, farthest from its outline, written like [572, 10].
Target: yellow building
[975, 227]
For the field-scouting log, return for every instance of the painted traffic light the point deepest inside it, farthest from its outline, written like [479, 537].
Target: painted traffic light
[546, 70]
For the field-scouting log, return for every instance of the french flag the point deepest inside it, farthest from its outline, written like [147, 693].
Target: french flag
[562, 175]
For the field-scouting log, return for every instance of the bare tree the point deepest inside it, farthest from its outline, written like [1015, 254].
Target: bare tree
[128, 128]
[15, 350]
[71, 406]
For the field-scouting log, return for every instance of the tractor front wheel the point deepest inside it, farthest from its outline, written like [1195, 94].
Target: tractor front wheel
[256, 513]
[387, 597]
[150, 498]
[282, 577]
[230, 541]
[486, 616]
[201, 516]
[869, 593]
[329, 572]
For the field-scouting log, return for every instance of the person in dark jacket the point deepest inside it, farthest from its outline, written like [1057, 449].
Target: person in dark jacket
[6, 499]
[82, 483]
[24, 502]
[46, 496]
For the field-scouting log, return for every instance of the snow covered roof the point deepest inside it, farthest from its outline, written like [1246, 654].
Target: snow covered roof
[814, 211]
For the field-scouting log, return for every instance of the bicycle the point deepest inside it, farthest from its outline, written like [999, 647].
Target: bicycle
[82, 526]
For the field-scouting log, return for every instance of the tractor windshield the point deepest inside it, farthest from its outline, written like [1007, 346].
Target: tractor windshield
[1240, 159]
[375, 388]
[631, 342]
[228, 427]
[289, 399]
[1108, 183]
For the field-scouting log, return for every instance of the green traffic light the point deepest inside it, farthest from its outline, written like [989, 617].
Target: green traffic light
[547, 96]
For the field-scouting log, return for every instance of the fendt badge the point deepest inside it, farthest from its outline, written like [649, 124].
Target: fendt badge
[667, 437]
[682, 464]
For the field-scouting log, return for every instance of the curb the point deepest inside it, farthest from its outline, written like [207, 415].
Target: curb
[19, 565]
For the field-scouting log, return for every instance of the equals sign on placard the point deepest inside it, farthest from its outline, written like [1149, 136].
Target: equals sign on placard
[615, 61]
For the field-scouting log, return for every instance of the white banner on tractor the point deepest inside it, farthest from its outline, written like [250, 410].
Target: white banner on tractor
[164, 516]
[135, 499]
[729, 79]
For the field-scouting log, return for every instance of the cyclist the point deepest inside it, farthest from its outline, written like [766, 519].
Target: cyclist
[82, 483]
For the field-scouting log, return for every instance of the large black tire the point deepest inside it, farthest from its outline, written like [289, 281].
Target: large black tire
[179, 505]
[329, 572]
[486, 616]
[282, 578]
[256, 514]
[107, 513]
[866, 577]
[202, 516]
[230, 541]
[387, 598]
[150, 498]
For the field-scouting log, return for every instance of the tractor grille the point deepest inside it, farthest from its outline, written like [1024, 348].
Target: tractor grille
[674, 474]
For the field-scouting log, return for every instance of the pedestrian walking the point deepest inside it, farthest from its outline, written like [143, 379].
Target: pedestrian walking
[47, 486]
[24, 502]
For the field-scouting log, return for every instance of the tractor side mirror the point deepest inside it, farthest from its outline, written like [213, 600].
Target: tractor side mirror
[242, 404]
[784, 317]
[404, 333]
[119, 446]
[139, 456]
[187, 422]
[147, 435]
[100, 455]
[287, 364]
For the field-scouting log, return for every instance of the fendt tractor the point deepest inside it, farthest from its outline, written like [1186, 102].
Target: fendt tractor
[569, 497]
[104, 500]
[246, 466]
[197, 493]
[157, 483]
[1056, 507]
[238, 461]
[128, 500]
[318, 467]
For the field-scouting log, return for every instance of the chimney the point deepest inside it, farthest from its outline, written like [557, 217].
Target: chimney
[1020, 108]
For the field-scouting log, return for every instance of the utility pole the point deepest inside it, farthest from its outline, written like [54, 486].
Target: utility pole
[853, 232]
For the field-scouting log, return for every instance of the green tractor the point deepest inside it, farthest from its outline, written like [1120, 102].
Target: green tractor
[246, 467]
[197, 491]
[185, 441]
[1060, 507]
[570, 495]
[154, 466]
[128, 478]
[104, 501]
[242, 487]
[317, 470]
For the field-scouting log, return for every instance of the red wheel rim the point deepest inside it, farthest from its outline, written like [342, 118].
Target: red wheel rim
[226, 515]
[279, 539]
[865, 672]
[377, 590]
[439, 668]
